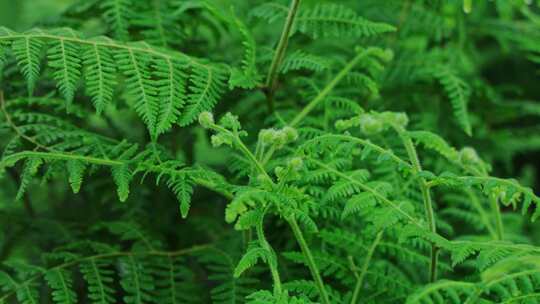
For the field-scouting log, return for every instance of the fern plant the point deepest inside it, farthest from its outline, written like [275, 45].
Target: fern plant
[271, 152]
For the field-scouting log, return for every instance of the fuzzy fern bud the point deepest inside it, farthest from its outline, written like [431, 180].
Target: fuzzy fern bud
[290, 133]
[344, 124]
[296, 163]
[370, 124]
[221, 139]
[401, 119]
[206, 119]
[281, 139]
[267, 136]
[386, 55]
[468, 155]
[216, 141]
[278, 138]
[230, 121]
[279, 171]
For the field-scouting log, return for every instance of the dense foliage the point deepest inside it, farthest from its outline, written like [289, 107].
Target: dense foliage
[287, 151]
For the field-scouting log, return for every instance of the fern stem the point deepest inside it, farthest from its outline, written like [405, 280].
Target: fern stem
[309, 260]
[111, 44]
[365, 266]
[16, 129]
[362, 142]
[483, 215]
[279, 54]
[498, 218]
[365, 188]
[271, 264]
[240, 144]
[13, 158]
[328, 89]
[426, 196]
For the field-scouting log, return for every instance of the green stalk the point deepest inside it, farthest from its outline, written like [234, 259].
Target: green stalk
[498, 218]
[426, 196]
[271, 263]
[279, 54]
[328, 89]
[365, 267]
[483, 215]
[240, 144]
[309, 260]
[292, 222]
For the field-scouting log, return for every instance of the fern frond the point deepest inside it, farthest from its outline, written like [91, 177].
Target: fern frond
[248, 77]
[171, 92]
[122, 176]
[155, 22]
[30, 169]
[444, 291]
[228, 289]
[76, 171]
[26, 290]
[99, 278]
[303, 287]
[174, 282]
[302, 60]
[357, 203]
[100, 75]
[182, 186]
[64, 59]
[61, 283]
[117, 14]
[458, 92]
[509, 191]
[333, 20]
[436, 143]
[27, 51]
[250, 258]
[346, 188]
[206, 86]
[141, 87]
[307, 222]
[136, 281]
[270, 11]
[3, 58]
[151, 74]
[328, 264]
[514, 278]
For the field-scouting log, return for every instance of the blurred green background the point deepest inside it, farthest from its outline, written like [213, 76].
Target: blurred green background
[21, 14]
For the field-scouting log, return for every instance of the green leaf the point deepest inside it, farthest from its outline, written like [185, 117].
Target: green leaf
[61, 283]
[100, 75]
[27, 51]
[76, 171]
[64, 59]
[122, 177]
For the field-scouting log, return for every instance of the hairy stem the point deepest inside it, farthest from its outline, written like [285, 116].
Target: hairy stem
[309, 260]
[328, 89]
[426, 196]
[365, 266]
[279, 54]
